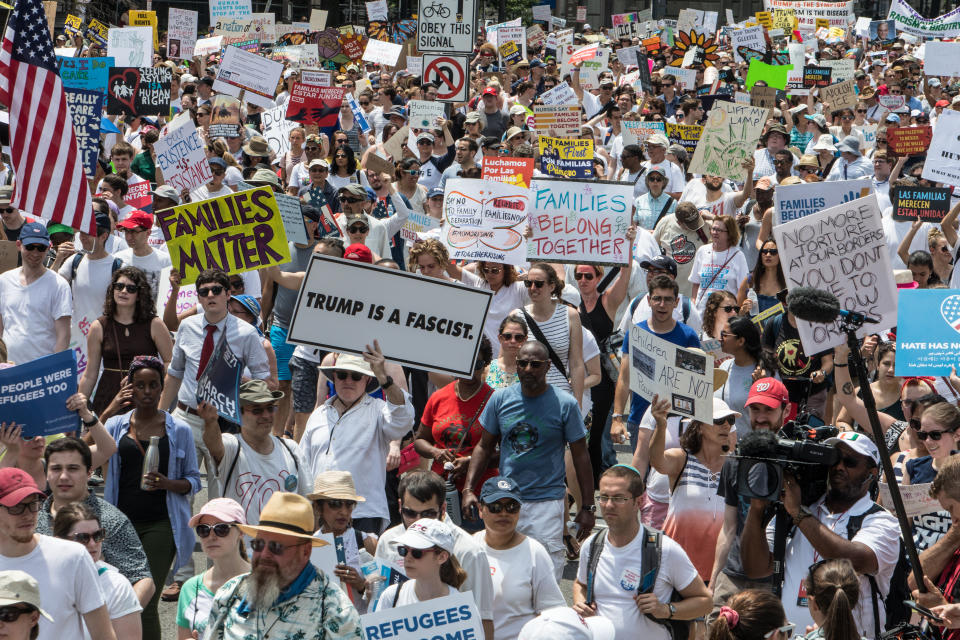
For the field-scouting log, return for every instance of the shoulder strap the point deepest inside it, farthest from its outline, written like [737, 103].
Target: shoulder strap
[593, 559]
[634, 304]
[650, 559]
[117, 264]
[233, 465]
[296, 465]
[685, 304]
[854, 523]
[396, 594]
[77, 259]
[607, 279]
[686, 458]
[663, 212]
[554, 358]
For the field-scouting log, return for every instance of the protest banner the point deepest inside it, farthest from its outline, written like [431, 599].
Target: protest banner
[181, 33]
[535, 36]
[909, 141]
[418, 224]
[764, 97]
[770, 74]
[145, 19]
[563, 93]
[309, 104]
[34, 394]
[518, 171]
[86, 109]
[742, 41]
[239, 232]
[686, 78]
[424, 114]
[943, 159]
[139, 91]
[276, 129]
[484, 220]
[842, 250]
[841, 95]
[837, 14]
[225, 118]
[637, 132]
[561, 121]
[566, 158]
[219, 384]
[625, 25]
[206, 46]
[422, 322]
[929, 204]
[130, 46]
[916, 498]
[316, 77]
[682, 376]
[909, 21]
[729, 137]
[381, 52]
[247, 74]
[229, 9]
[941, 59]
[814, 76]
[181, 156]
[794, 201]
[91, 74]
[579, 222]
[686, 135]
[97, 32]
[298, 55]
[454, 617]
[840, 70]
[928, 332]
[73, 25]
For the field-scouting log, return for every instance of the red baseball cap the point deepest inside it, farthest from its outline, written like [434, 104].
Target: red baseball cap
[137, 219]
[490, 91]
[358, 252]
[15, 485]
[769, 392]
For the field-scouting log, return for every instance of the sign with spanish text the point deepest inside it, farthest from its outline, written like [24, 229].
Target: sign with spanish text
[310, 104]
[517, 171]
[814, 76]
[686, 135]
[565, 157]
[682, 376]
[484, 220]
[929, 204]
[33, 395]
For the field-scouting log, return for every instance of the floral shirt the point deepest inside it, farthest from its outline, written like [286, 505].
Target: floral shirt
[498, 378]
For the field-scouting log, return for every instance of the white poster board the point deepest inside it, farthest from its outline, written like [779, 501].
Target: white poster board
[729, 137]
[130, 46]
[916, 498]
[453, 616]
[794, 201]
[941, 58]
[276, 129]
[244, 71]
[381, 52]
[424, 113]
[181, 33]
[943, 161]
[181, 155]
[446, 25]
[485, 220]
[661, 368]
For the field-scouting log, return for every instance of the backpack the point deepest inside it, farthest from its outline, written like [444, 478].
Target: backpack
[78, 258]
[233, 465]
[650, 564]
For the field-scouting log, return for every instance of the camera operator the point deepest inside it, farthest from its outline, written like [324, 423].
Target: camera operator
[820, 532]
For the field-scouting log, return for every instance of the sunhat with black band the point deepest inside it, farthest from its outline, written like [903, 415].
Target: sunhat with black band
[287, 514]
[348, 362]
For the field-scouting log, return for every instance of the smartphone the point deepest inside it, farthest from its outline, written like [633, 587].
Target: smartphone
[923, 611]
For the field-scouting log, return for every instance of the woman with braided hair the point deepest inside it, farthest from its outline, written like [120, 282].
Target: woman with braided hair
[751, 615]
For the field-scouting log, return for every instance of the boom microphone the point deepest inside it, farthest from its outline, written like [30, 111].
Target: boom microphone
[817, 305]
[758, 444]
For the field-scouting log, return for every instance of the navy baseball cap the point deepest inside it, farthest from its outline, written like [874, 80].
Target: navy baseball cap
[436, 191]
[498, 488]
[34, 233]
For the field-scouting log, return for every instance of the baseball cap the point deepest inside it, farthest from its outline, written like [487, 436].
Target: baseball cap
[859, 442]
[661, 263]
[658, 140]
[33, 233]
[819, 119]
[223, 509]
[318, 162]
[473, 116]
[217, 161]
[933, 82]
[168, 192]
[769, 392]
[498, 488]
[436, 191]
[309, 211]
[397, 111]
[892, 117]
[102, 220]
[15, 485]
[517, 110]
[288, 73]
[355, 189]
[940, 103]
[359, 253]
[721, 409]
[657, 169]
[426, 135]
[137, 220]
[18, 587]
[563, 623]
[427, 533]
[490, 91]
[350, 218]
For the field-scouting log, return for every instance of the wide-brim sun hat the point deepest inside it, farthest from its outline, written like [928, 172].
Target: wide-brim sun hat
[350, 362]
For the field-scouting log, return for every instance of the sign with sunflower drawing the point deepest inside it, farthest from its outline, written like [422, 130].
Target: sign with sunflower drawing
[684, 40]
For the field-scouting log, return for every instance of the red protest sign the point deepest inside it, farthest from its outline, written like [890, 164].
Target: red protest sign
[310, 104]
[510, 170]
[908, 141]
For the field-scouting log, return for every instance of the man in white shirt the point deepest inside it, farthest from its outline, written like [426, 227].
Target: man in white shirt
[35, 303]
[717, 202]
[852, 164]
[64, 571]
[640, 310]
[136, 231]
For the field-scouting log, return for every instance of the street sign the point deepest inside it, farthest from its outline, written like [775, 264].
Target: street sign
[450, 73]
[447, 25]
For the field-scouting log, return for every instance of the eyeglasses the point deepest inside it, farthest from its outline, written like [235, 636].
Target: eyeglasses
[206, 291]
[319, 169]
[513, 337]
[531, 364]
[259, 411]
[311, 148]
[490, 270]
[358, 228]
[353, 375]
[430, 514]
[339, 504]
[769, 252]
[510, 507]
[861, 110]
[786, 629]
[662, 299]
[424, 143]
[19, 509]
[350, 200]
[411, 172]
[416, 553]
[236, 284]
[655, 179]
[123, 286]
[84, 538]
[534, 283]
[849, 462]
[276, 548]
[221, 529]
[10, 614]
[846, 117]
[35, 247]
[602, 499]
[933, 435]
[7, 210]
[729, 308]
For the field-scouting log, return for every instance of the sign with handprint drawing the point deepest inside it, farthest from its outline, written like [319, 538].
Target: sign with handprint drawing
[310, 104]
[138, 91]
[485, 220]
[928, 332]
[729, 137]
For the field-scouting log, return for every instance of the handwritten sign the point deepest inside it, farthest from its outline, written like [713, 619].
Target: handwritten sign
[563, 93]
[310, 104]
[566, 158]
[34, 394]
[485, 220]
[424, 114]
[794, 201]
[909, 141]
[139, 91]
[86, 109]
[930, 204]
[181, 156]
[181, 33]
[130, 46]
[916, 497]
[417, 225]
[683, 376]
[841, 95]
[729, 137]
[943, 160]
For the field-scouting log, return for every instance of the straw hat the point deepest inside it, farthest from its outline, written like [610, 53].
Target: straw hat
[287, 514]
[349, 362]
[334, 485]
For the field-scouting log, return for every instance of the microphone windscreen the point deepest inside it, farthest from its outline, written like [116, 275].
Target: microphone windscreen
[813, 305]
[758, 444]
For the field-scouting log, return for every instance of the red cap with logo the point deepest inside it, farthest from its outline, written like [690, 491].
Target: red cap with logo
[136, 220]
[769, 392]
[358, 252]
[15, 485]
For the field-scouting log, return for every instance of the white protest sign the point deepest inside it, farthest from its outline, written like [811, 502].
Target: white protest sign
[447, 26]
[381, 52]
[683, 376]
[262, 25]
[415, 65]
[916, 498]
[206, 46]
[325, 557]
[942, 59]
[181, 33]
[377, 11]
[843, 70]
[484, 220]
[276, 129]
[842, 250]
[316, 78]
[292, 216]
[318, 19]
[563, 93]
[229, 9]
[186, 294]
[454, 617]
[729, 137]
[794, 201]
[862, 27]
[869, 132]
[422, 322]
[181, 156]
[943, 158]
[424, 113]
[255, 76]
[749, 38]
[418, 224]
[541, 12]
[131, 46]
[686, 78]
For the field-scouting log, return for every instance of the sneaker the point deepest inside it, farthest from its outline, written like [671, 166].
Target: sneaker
[172, 592]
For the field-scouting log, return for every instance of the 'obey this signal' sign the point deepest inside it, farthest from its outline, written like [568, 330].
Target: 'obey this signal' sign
[451, 73]
[447, 25]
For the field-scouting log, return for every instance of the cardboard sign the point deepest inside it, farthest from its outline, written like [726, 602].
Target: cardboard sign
[310, 104]
[928, 332]
[941, 58]
[566, 158]
[253, 76]
[139, 91]
[814, 76]
[517, 171]
[842, 95]
[746, 41]
[661, 368]
[86, 109]
[729, 137]
[842, 250]
[276, 129]
[34, 394]
[841, 70]
[943, 161]
[422, 322]
[794, 201]
[485, 220]
[765, 97]
[239, 232]
[9, 255]
[219, 384]
[580, 222]
[909, 141]
[424, 114]
[929, 204]
[453, 616]
[181, 33]
[916, 497]
[561, 121]
[73, 25]
[181, 156]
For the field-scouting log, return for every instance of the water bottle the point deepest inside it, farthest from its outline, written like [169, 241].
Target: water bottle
[452, 498]
[151, 462]
[371, 573]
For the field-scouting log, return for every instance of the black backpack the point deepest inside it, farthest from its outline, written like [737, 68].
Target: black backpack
[650, 565]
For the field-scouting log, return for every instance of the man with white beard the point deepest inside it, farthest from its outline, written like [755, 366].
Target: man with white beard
[284, 596]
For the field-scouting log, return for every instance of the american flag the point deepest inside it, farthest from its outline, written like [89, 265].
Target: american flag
[44, 154]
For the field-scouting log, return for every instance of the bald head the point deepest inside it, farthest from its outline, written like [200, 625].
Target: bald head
[534, 349]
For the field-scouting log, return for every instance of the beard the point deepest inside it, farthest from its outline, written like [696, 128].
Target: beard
[263, 586]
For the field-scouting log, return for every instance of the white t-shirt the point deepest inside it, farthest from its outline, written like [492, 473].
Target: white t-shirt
[722, 206]
[29, 313]
[117, 591]
[618, 576]
[895, 231]
[729, 265]
[408, 595]
[203, 192]
[151, 265]
[523, 584]
[69, 586]
[89, 286]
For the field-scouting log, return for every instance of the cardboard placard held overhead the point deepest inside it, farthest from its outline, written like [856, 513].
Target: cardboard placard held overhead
[765, 97]
[682, 376]
[729, 137]
[841, 95]
[255, 76]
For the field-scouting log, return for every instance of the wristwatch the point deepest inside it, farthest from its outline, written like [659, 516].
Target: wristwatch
[802, 515]
[673, 611]
[94, 420]
[592, 508]
[387, 383]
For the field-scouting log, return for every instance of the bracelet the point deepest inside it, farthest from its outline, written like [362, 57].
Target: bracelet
[840, 365]
[619, 415]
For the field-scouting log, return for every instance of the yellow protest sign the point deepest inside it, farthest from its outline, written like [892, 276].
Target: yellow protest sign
[822, 23]
[146, 19]
[72, 25]
[566, 157]
[784, 19]
[239, 232]
[98, 31]
[764, 18]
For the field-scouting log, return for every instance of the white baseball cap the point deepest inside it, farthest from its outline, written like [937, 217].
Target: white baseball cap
[427, 533]
[563, 623]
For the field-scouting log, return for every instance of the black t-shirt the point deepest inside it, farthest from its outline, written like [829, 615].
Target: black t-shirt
[137, 504]
[791, 359]
[727, 490]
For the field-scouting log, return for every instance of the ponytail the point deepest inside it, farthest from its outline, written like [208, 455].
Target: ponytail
[748, 615]
[452, 573]
[835, 589]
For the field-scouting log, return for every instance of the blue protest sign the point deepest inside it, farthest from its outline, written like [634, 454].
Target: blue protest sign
[928, 332]
[86, 108]
[34, 394]
[219, 384]
[358, 114]
[85, 73]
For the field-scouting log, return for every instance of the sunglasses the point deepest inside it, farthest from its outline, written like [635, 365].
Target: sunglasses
[350, 200]
[353, 375]
[19, 509]
[655, 179]
[275, 548]
[530, 364]
[785, 629]
[849, 463]
[846, 117]
[933, 435]
[7, 210]
[430, 514]
[583, 276]
[320, 170]
[358, 228]
[539, 284]
[769, 252]
[729, 308]
[217, 172]
[514, 337]
[411, 172]
[84, 538]
[496, 507]
[122, 286]
[416, 553]
[221, 530]
[11, 614]
[35, 247]
[311, 148]
[490, 270]
[722, 421]
[259, 411]
[206, 291]
[236, 284]
[339, 504]
[861, 110]
[364, 104]
[424, 143]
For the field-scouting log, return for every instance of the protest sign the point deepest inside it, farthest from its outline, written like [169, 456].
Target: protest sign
[239, 232]
[566, 158]
[909, 141]
[743, 41]
[130, 46]
[916, 498]
[516, 171]
[85, 73]
[425, 113]
[484, 220]
[814, 76]
[181, 156]
[561, 121]
[535, 36]
[298, 55]
[454, 617]
[247, 74]
[418, 224]
[225, 118]
[837, 14]
[941, 59]
[422, 322]
[86, 109]
[929, 204]
[219, 384]
[794, 201]
[841, 95]
[771, 75]
[563, 93]
[318, 19]
[928, 332]
[908, 20]
[893, 103]
[139, 91]
[729, 137]
[98, 32]
[682, 376]
[765, 97]
[579, 222]
[229, 9]
[842, 250]
[841, 70]
[377, 10]
[34, 394]
[686, 135]
[686, 78]
[292, 216]
[9, 255]
[943, 160]
[276, 129]
[138, 196]
[145, 19]
[637, 132]
[73, 25]
[181, 33]
[381, 52]
[316, 77]
[206, 46]
[309, 104]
